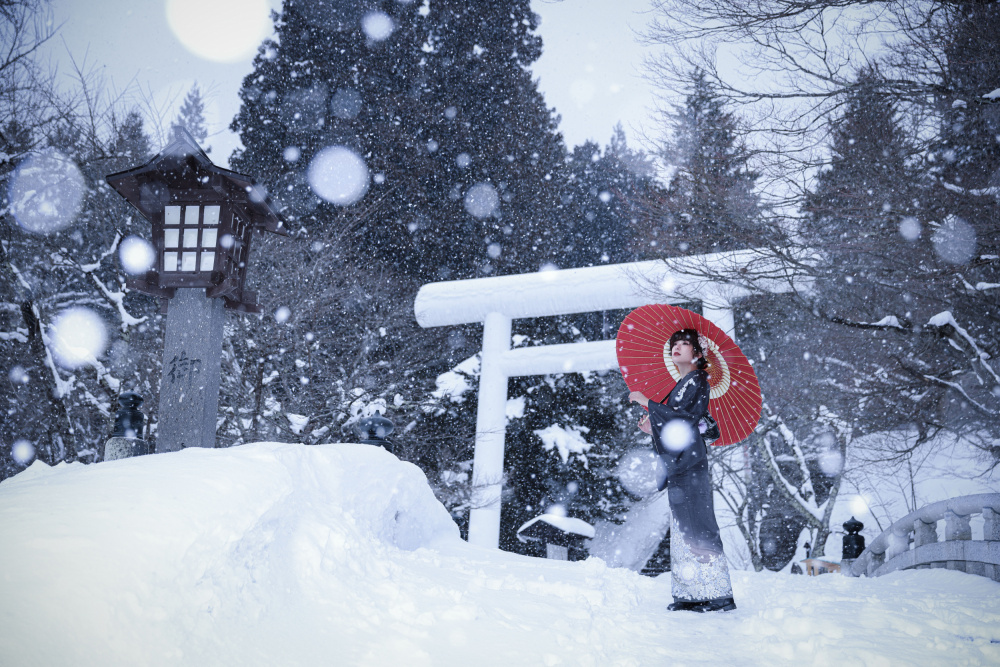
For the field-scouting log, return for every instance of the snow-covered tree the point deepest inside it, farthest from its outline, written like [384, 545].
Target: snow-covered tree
[72, 336]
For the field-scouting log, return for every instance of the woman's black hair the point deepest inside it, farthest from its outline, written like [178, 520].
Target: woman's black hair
[691, 336]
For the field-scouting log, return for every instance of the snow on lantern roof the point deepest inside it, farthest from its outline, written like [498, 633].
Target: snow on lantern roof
[555, 529]
[182, 167]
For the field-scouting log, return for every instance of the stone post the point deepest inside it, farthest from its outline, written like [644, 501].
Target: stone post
[899, 542]
[991, 525]
[924, 533]
[991, 533]
[126, 438]
[956, 527]
[192, 354]
[853, 546]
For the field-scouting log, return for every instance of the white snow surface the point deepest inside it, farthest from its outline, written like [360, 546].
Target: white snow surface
[454, 384]
[297, 422]
[279, 554]
[564, 440]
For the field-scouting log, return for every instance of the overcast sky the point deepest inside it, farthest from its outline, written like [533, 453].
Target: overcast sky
[590, 70]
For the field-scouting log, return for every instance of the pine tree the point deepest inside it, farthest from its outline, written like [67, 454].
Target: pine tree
[481, 57]
[130, 145]
[192, 117]
[441, 106]
[603, 202]
[961, 232]
[462, 150]
[710, 204]
[855, 210]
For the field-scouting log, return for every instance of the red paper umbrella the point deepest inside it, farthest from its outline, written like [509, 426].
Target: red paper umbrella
[647, 367]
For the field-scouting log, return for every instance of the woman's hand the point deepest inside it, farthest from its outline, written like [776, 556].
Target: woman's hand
[639, 397]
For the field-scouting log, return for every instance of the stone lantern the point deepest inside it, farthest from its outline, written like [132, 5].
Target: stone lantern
[203, 218]
[126, 438]
[374, 430]
[853, 545]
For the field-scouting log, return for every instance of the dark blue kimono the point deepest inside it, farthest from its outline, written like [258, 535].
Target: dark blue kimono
[697, 563]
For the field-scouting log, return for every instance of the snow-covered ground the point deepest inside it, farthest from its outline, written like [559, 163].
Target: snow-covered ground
[276, 554]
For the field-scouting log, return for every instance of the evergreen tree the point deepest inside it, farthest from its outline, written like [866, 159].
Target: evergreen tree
[130, 145]
[481, 56]
[603, 202]
[855, 210]
[961, 227]
[710, 204]
[441, 109]
[192, 117]
[562, 451]
[810, 367]
[462, 150]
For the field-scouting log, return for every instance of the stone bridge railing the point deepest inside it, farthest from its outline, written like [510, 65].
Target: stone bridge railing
[892, 550]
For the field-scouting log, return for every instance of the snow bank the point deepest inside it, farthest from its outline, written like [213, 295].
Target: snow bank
[164, 558]
[274, 554]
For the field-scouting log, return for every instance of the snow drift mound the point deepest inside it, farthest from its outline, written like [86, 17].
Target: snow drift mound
[203, 536]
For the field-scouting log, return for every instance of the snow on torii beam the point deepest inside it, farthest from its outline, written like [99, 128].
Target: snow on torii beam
[497, 301]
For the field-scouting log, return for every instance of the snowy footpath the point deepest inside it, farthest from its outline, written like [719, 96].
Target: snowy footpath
[275, 554]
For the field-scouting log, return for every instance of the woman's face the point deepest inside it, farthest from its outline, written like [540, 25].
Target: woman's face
[683, 352]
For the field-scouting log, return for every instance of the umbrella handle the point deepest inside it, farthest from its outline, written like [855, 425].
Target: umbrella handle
[644, 425]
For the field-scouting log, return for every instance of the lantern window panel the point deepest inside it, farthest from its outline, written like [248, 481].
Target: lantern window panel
[189, 261]
[209, 237]
[170, 261]
[211, 215]
[172, 215]
[171, 238]
[191, 215]
[207, 261]
[190, 237]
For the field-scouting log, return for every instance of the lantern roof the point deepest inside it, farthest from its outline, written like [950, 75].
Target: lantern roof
[183, 166]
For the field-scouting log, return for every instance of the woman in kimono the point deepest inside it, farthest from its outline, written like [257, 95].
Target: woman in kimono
[698, 566]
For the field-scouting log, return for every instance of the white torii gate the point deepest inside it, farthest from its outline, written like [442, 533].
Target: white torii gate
[498, 300]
